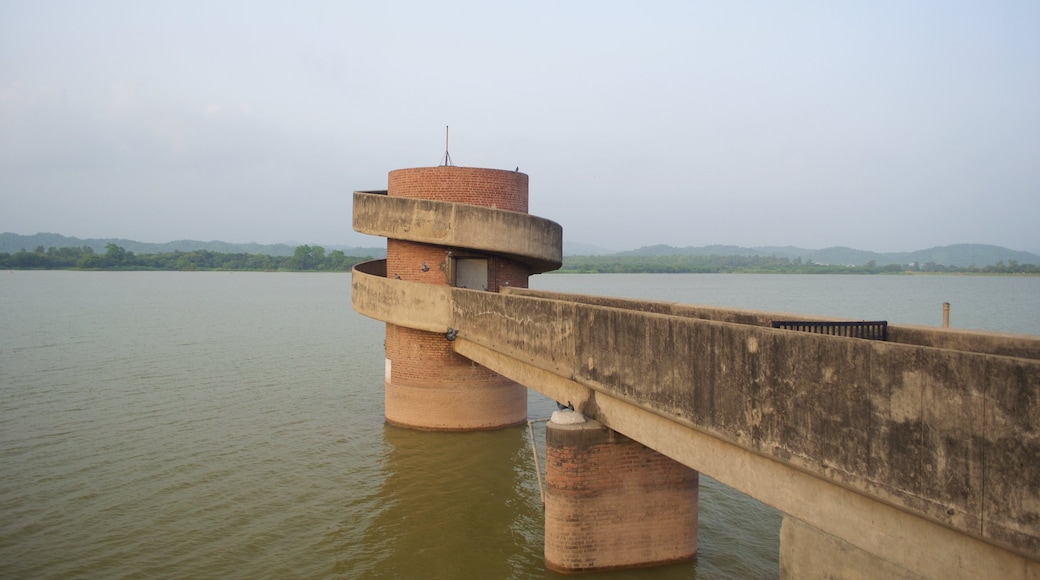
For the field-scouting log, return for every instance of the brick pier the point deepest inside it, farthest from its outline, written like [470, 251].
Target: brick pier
[611, 503]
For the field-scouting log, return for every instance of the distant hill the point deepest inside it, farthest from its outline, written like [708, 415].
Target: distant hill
[12, 243]
[958, 255]
[579, 249]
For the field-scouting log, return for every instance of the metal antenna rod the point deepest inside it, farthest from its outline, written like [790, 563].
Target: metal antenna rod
[447, 157]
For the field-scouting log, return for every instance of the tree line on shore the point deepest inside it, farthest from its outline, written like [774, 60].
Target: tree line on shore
[307, 258]
[767, 265]
[304, 259]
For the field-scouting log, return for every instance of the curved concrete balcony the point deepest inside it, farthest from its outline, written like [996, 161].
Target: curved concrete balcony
[411, 304]
[531, 240]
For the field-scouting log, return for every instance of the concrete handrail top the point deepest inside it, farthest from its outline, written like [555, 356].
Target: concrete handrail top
[401, 302]
[532, 240]
[1023, 346]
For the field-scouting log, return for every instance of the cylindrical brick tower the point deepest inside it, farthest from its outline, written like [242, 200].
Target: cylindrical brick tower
[436, 236]
[427, 384]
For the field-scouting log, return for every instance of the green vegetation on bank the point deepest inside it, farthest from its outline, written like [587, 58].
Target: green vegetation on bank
[314, 259]
[766, 265]
[304, 259]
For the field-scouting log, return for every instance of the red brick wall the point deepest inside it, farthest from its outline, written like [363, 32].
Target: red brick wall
[515, 273]
[405, 260]
[485, 187]
[421, 358]
[610, 502]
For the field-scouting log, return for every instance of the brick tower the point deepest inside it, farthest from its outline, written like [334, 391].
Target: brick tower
[450, 227]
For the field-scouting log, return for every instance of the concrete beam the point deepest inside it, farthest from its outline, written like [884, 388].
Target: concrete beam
[409, 304]
[531, 240]
[904, 540]
[982, 342]
[949, 436]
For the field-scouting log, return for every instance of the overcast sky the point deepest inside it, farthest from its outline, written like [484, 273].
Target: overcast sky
[883, 126]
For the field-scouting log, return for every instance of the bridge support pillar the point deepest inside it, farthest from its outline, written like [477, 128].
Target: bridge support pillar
[611, 502]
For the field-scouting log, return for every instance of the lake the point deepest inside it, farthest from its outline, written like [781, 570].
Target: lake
[205, 425]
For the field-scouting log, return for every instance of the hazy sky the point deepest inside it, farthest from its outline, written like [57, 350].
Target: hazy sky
[882, 126]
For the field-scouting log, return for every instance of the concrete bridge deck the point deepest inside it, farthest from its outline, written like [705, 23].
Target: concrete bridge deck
[924, 448]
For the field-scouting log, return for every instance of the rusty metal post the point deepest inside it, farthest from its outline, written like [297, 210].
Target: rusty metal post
[946, 314]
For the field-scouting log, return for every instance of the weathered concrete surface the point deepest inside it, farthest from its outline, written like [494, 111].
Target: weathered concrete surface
[944, 435]
[904, 539]
[906, 450]
[529, 239]
[410, 304]
[807, 553]
[998, 343]
[1002, 344]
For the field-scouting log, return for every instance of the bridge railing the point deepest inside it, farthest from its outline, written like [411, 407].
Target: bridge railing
[870, 330]
[909, 425]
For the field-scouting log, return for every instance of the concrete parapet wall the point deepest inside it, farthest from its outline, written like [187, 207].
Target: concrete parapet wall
[412, 304]
[895, 537]
[998, 343]
[807, 553]
[534, 241]
[950, 435]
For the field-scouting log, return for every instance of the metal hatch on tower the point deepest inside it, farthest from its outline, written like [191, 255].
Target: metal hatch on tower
[471, 273]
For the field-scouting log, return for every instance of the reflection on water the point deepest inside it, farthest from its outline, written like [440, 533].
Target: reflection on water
[465, 505]
[457, 505]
